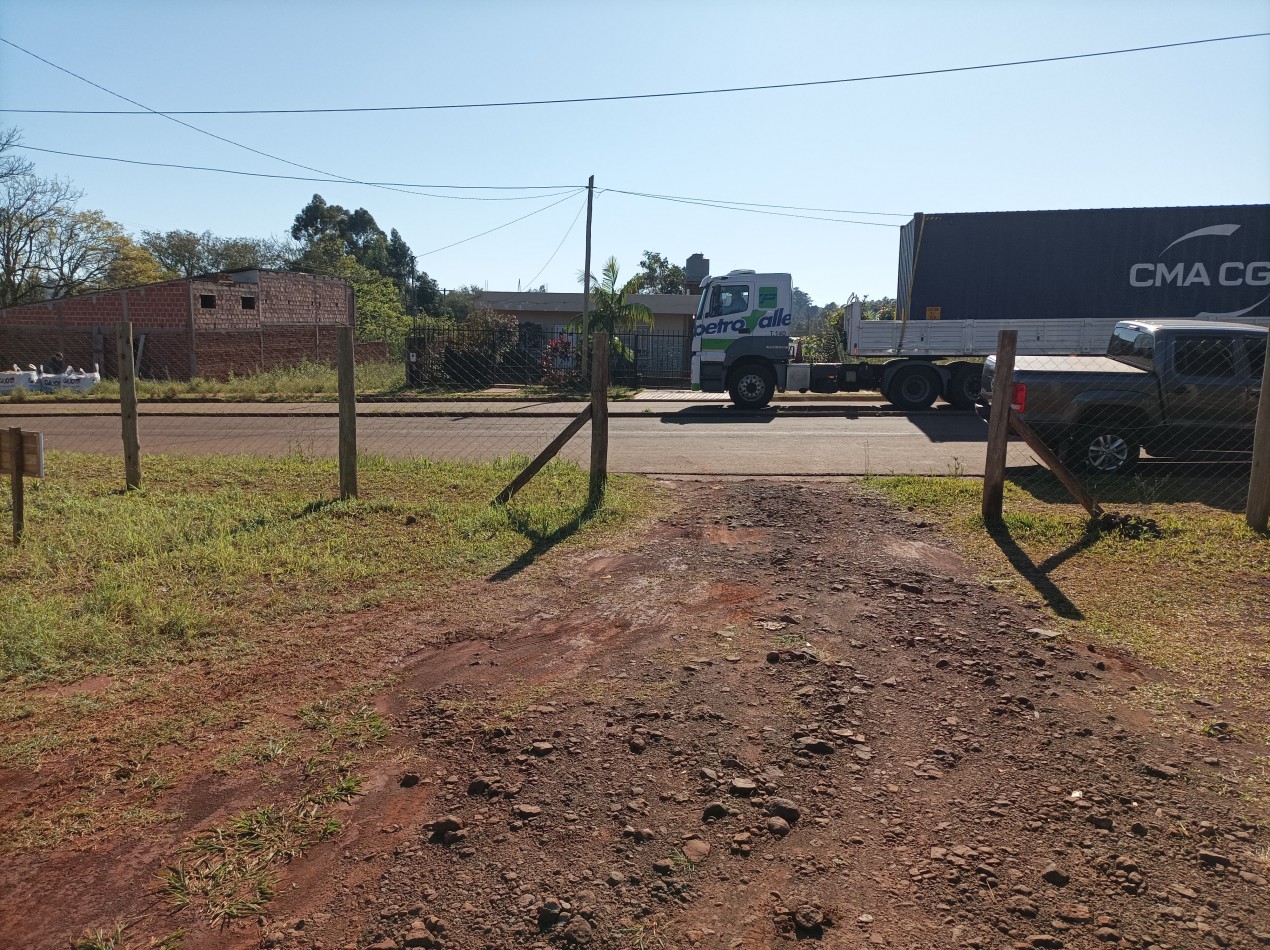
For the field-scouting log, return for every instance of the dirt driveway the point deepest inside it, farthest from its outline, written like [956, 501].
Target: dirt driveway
[787, 712]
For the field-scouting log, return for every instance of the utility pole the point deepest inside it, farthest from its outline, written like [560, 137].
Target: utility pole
[585, 348]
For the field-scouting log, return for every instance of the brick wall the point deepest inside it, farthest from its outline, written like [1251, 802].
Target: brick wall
[216, 326]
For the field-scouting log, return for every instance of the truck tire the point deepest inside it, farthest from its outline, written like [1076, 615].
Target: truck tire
[1105, 448]
[913, 387]
[751, 386]
[962, 391]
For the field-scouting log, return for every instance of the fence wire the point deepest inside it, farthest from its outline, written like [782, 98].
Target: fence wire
[536, 360]
[1167, 416]
[272, 396]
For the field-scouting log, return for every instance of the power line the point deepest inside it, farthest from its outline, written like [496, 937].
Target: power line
[195, 128]
[395, 184]
[749, 206]
[581, 208]
[727, 207]
[625, 98]
[436, 250]
[757, 204]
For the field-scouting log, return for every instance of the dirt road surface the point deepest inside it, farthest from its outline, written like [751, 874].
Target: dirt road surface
[786, 713]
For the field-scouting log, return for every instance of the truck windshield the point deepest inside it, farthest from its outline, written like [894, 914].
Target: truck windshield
[701, 304]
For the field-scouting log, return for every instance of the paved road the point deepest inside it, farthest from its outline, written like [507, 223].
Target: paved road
[694, 440]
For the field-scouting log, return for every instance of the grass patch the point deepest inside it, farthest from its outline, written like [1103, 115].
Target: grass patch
[230, 871]
[214, 550]
[1193, 602]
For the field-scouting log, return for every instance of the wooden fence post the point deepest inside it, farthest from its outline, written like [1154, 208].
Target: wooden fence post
[16, 480]
[599, 418]
[128, 403]
[999, 426]
[348, 414]
[1258, 514]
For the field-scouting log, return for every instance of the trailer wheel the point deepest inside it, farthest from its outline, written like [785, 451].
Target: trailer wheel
[913, 387]
[962, 391]
[751, 386]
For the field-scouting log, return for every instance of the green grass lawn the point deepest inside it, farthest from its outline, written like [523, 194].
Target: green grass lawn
[216, 549]
[1194, 602]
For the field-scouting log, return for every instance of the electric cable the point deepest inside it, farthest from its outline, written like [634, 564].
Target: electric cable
[397, 184]
[633, 96]
[779, 214]
[446, 247]
[195, 128]
[581, 208]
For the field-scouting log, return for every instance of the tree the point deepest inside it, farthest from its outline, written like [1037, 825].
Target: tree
[83, 245]
[183, 253]
[658, 276]
[611, 312]
[31, 209]
[187, 254]
[133, 266]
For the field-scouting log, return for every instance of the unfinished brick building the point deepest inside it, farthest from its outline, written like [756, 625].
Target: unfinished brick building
[210, 326]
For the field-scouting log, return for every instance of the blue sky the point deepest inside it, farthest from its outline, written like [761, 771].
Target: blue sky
[1173, 127]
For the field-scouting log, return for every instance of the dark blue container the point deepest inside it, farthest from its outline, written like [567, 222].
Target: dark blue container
[1111, 263]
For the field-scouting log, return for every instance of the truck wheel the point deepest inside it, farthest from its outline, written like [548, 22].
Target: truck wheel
[962, 391]
[913, 387]
[1107, 450]
[752, 386]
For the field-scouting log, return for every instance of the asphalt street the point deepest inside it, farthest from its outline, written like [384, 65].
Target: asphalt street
[669, 439]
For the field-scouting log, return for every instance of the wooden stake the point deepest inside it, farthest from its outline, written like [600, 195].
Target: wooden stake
[999, 426]
[348, 414]
[1258, 514]
[1055, 465]
[128, 402]
[545, 456]
[599, 418]
[16, 480]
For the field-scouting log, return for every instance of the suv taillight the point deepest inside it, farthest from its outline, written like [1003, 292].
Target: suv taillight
[1018, 401]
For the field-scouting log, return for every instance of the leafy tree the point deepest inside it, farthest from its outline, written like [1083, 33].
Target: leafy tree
[31, 210]
[611, 312]
[82, 248]
[658, 276]
[188, 254]
[133, 266]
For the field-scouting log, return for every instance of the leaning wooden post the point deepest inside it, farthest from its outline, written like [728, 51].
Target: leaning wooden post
[348, 415]
[128, 403]
[999, 426]
[599, 418]
[1259, 483]
[16, 470]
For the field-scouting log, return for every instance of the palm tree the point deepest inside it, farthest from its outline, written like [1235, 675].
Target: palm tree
[611, 312]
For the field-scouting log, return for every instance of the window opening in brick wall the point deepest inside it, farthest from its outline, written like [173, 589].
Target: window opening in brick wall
[207, 301]
[249, 303]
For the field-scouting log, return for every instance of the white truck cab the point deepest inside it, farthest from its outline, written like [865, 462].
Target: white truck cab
[740, 341]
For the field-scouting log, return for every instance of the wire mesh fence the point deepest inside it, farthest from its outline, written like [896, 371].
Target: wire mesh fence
[271, 396]
[1167, 416]
[539, 360]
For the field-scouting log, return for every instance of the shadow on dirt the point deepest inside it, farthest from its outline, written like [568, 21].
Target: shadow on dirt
[1037, 575]
[542, 543]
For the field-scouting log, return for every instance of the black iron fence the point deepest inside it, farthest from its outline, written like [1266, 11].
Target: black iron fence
[467, 359]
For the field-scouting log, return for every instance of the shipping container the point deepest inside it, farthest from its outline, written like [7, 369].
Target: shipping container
[1102, 264]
